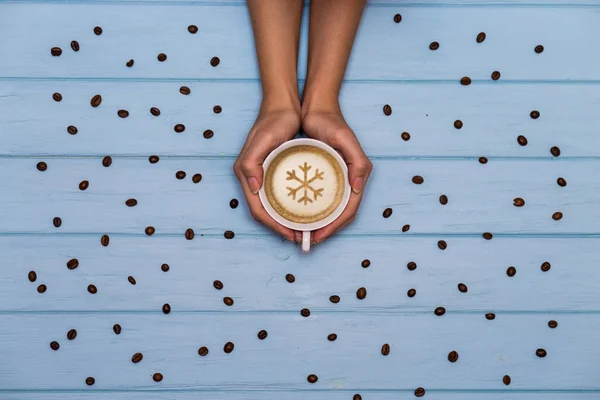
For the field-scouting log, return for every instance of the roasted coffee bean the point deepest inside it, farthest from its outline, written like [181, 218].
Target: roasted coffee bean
[107, 161]
[534, 114]
[229, 235]
[411, 266]
[443, 199]
[480, 37]
[417, 180]
[458, 124]
[90, 381]
[522, 140]
[165, 267]
[331, 337]
[557, 216]
[197, 178]
[495, 75]
[72, 130]
[153, 159]
[228, 301]
[490, 316]
[130, 63]
[439, 311]
[83, 185]
[305, 312]
[545, 266]
[385, 349]
[262, 334]
[387, 109]
[203, 351]
[290, 278]
[465, 81]
[166, 308]
[154, 111]
[453, 356]
[98, 31]
[541, 353]
[442, 245]
[506, 380]
[189, 233]
[92, 289]
[57, 222]
[233, 203]
[483, 160]
[104, 240]
[405, 228]
[214, 61]
[157, 377]
[137, 357]
[218, 285]
[41, 166]
[228, 348]
[411, 292]
[150, 230]
[56, 51]
[96, 101]
[131, 202]
[72, 334]
[361, 293]
[42, 288]
[185, 90]
[117, 329]
[334, 299]
[434, 46]
[131, 280]
[561, 182]
[518, 202]
[462, 288]
[32, 276]
[511, 271]
[487, 235]
[552, 324]
[208, 134]
[179, 128]
[365, 263]
[162, 57]
[123, 113]
[75, 45]
[57, 97]
[193, 29]
[73, 263]
[397, 18]
[405, 136]
[357, 397]
[539, 48]
[54, 345]
[555, 151]
[387, 213]
[312, 378]
[419, 392]
[217, 109]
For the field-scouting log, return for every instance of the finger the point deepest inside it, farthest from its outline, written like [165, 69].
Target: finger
[344, 219]
[359, 165]
[252, 159]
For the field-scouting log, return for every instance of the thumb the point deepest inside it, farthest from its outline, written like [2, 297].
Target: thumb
[252, 161]
[359, 166]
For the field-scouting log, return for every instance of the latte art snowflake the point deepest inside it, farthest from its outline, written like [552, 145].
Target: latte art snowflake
[305, 184]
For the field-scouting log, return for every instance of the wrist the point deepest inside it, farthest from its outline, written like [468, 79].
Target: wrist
[315, 101]
[281, 99]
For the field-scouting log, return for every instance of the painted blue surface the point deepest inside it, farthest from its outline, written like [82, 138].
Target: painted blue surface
[391, 64]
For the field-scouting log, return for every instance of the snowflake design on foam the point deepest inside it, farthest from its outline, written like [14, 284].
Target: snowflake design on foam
[304, 184]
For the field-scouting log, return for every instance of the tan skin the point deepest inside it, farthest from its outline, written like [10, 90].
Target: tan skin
[276, 26]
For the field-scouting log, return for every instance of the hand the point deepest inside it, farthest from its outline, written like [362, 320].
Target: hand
[271, 129]
[331, 128]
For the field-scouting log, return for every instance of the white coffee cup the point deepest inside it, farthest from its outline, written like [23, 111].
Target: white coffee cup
[305, 228]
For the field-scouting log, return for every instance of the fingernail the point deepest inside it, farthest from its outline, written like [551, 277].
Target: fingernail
[253, 183]
[357, 185]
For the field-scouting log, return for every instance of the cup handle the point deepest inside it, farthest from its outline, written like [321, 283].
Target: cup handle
[305, 241]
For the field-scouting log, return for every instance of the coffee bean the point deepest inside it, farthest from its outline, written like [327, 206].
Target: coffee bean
[545, 266]
[185, 90]
[483, 160]
[98, 31]
[228, 301]
[117, 329]
[439, 311]
[228, 348]
[495, 75]
[490, 316]
[189, 233]
[552, 324]
[434, 46]
[72, 129]
[387, 109]
[179, 128]
[41, 166]
[165, 267]
[218, 285]
[217, 109]
[365, 263]
[72, 334]
[203, 351]
[75, 45]
[83, 185]
[397, 18]
[405, 228]
[506, 380]
[208, 134]
[411, 292]
[518, 202]
[123, 113]
[214, 61]
[511, 271]
[453, 356]
[197, 178]
[229, 235]
[166, 308]
[480, 37]
[193, 29]
[131, 280]
[465, 81]
[385, 349]
[131, 202]
[56, 51]
[96, 101]
[155, 111]
[557, 216]
[233, 203]
[555, 151]
[92, 289]
[357, 397]
[331, 337]
[262, 334]
[57, 97]
[405, 136]
[458, 124]
[54, 345]
[72, 263]
[150, 230]
[162, 57]
[539, 48]
[104, 240]
[32, 276]
[130, 63]
[417, 180]
[305, 312]
[387, 213]
[541, 353]
[561, 182]
[57, 222]
[334, 299]
[442, 245]
[290, 278]
[137, 357]
[487, 235]
[534, 114]
[157, 377]
[42, 288]
[462, 288]
[361, 293]
[153, 159]
[90, 381]
[312, 378]
[419, 392]
[107, 161]
[411, 266]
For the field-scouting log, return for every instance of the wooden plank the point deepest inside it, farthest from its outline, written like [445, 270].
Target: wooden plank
[253, 271]
[480, 197]
[371, 3]
[383, 50]
[493, 116]
[296, 347]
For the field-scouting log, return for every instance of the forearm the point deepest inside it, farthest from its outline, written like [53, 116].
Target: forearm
[276, 26]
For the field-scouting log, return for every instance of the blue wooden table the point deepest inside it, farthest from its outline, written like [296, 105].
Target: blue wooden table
[484, 281]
